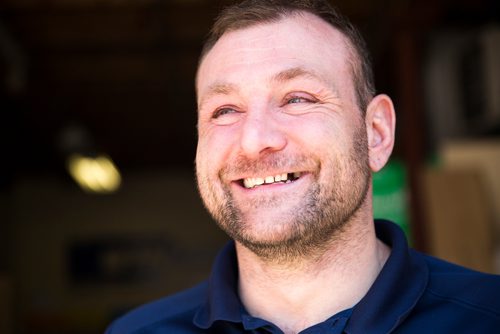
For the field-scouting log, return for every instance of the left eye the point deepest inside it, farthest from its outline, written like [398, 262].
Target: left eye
[296, 99]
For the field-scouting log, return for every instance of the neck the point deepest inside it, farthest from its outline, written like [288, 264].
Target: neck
[309, 291]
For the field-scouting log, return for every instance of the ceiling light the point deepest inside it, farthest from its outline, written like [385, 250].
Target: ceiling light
[96, 174]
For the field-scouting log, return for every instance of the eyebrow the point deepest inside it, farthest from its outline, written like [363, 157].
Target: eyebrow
[218, 88]
[293, 73]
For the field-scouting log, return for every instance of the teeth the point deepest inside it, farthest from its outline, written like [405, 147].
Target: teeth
[257, 181]
[248, 183]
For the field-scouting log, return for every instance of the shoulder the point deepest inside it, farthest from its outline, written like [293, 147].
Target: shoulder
[178, 309]
[463, 288]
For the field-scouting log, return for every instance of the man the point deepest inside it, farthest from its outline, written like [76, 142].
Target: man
[289, 133]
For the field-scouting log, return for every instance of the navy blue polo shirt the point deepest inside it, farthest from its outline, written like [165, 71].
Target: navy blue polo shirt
[414, 293]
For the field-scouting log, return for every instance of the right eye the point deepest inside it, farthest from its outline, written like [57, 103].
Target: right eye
[226, 115]
[223, 111]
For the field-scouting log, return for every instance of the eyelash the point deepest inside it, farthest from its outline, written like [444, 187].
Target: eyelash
[302, 99]
[289, 101]
[221, 112]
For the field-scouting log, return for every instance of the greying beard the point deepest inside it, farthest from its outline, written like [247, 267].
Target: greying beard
[319, 221]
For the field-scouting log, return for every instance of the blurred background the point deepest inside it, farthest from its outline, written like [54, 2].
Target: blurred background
[99, 210]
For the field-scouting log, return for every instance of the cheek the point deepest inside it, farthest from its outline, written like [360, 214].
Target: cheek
[212, 150]
[319, 135]
[203, 160]
[331, 141]
[202, 154]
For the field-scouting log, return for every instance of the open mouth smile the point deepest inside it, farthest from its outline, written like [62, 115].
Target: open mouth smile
[252, 182]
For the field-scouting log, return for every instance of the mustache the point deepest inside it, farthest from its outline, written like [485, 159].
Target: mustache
[273, 162]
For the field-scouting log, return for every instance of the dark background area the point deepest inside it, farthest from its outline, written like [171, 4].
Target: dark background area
[121, 73]
[124, 71]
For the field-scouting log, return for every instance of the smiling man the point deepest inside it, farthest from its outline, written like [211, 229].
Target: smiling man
[290, 131]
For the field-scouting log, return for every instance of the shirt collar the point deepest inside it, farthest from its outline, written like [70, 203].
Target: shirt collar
[391, 297]
[396, 290]
[223, 302]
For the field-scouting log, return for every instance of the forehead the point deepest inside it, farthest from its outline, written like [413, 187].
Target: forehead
[301, 40]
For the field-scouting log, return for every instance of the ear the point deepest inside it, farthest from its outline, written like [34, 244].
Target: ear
[380, 125]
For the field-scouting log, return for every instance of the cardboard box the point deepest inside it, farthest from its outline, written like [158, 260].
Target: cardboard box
[459, 220]
[482, 156]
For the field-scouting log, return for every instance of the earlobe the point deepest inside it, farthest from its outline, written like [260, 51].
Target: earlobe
[380, 124]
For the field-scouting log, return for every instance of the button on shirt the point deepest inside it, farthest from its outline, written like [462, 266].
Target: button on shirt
[414, 293]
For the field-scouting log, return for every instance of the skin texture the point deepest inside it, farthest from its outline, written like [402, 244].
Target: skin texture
[279, 98]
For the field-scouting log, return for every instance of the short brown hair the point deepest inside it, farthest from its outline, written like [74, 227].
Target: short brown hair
[251, 12]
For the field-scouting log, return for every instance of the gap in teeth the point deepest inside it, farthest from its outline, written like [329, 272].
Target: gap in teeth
[283, 178]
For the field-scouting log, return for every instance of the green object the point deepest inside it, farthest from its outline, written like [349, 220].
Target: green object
[390, 199]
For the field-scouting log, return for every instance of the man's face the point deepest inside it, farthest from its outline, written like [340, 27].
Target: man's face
[282, 153]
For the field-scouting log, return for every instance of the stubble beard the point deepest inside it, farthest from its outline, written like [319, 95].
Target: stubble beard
[319, 219]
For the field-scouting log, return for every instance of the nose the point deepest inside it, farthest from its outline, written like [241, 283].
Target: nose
[261, 133]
